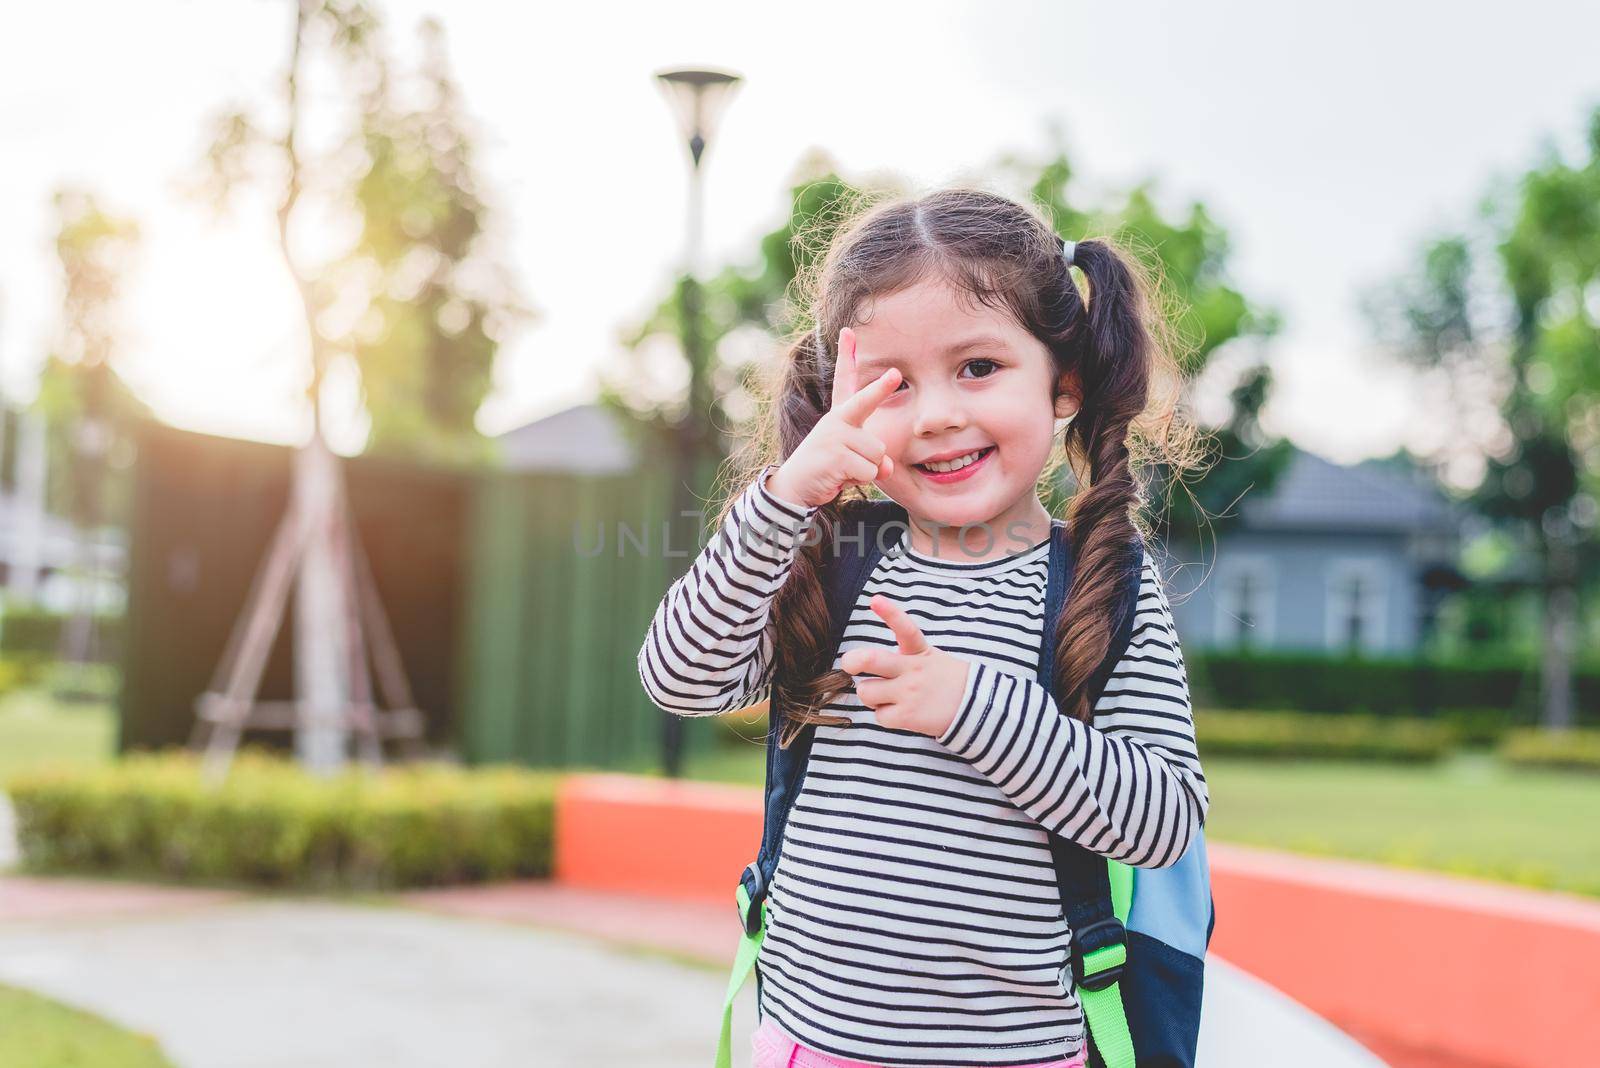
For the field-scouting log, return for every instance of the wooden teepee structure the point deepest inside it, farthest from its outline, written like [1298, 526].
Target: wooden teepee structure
[341, 638]
[341, 634]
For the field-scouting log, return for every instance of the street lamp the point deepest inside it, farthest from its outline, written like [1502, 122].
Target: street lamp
[697, 99]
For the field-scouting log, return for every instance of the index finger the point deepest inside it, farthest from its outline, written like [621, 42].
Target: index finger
[906, 632]
[844, 368]
[855, 408]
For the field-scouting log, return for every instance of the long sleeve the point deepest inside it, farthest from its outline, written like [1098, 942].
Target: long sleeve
[1129, 787]
[709, 646]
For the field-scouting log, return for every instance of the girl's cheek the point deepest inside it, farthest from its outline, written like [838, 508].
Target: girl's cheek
[888, 428]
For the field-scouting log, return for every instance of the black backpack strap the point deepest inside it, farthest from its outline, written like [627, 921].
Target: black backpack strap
[865, 530]
[1081, 874]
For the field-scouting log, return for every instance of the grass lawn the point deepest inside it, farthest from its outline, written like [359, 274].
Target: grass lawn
[34, 728]
[1468, 815]
[36, 1032]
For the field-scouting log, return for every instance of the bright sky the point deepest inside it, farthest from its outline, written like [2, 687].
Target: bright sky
[1330, 139]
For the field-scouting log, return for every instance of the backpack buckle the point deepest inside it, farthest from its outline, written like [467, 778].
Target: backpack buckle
[1099, 954]
[750, 909]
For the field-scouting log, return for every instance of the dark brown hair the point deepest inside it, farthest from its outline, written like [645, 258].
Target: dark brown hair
[1115, 339]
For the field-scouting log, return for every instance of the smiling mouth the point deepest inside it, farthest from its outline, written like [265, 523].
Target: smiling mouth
[945, 467]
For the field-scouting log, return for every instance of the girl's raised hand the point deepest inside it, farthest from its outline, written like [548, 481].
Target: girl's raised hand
[918, 687]
[839, 451]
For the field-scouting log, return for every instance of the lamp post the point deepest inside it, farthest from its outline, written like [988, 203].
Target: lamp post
[697, 99]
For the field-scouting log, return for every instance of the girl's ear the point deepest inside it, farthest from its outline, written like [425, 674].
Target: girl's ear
[1069, 399]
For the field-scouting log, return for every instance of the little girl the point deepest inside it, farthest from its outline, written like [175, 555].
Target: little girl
[913, 915]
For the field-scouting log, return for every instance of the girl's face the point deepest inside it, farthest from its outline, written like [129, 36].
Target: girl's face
[974, 382]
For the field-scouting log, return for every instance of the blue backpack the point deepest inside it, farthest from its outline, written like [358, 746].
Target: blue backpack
[1139, 935]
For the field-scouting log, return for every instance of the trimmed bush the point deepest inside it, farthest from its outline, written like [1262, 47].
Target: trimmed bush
[19, 670]
[1401, 686]
[1300, 734]
[33, 630]
[1575, 750]
[273, 824]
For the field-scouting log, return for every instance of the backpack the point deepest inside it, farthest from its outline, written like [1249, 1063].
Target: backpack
[1139, 935]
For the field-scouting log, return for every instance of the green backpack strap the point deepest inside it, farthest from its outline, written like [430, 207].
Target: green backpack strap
[1102, 1001]
[744, 960]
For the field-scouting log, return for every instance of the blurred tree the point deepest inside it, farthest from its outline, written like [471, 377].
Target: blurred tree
[1514, 300]
[419, 300]
[84, 403]
[1189, 260]
[414, 301]
[746, 306]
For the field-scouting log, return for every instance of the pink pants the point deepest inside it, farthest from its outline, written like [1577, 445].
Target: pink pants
[775, 1049]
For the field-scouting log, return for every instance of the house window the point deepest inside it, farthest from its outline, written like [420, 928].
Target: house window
[1246, 593]
[1356, 603]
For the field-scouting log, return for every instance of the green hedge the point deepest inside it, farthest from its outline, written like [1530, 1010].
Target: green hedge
[1500, 693]
[273, 824]
[1262, 734]
[1300, 734]
[1575, 750]
[17, 672]
[38, 631]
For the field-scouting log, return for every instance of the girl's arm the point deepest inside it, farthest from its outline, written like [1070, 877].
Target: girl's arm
[1130, 786]
[709, 647]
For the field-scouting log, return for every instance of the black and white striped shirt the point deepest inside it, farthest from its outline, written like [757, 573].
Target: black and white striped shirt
[914, 916]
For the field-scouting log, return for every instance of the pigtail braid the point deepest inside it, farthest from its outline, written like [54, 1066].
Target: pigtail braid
[1114, 347]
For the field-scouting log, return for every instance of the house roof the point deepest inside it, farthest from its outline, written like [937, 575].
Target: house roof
[1313, 492]
[586, 439]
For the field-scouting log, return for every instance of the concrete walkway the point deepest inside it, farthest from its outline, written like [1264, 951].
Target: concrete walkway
[255, 983]
[462, 976]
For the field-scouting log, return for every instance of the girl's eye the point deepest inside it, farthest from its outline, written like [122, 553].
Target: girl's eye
[991, 364]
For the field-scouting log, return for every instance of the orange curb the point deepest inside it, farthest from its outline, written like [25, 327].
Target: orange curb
[1448, 970]
[1482, 973]
[687, 841]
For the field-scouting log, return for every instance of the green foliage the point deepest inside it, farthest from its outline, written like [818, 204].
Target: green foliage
[422, 299]
[1511, 299]
[1190, 254]
[20, 670]
[1576, 750]
[1304, 735]
[438, 303]
[86, 406]
[36, 1032]
[37, 631]
[270, 823]
[1314, 682]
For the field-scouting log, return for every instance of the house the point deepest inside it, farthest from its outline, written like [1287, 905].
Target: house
[588, 439]
[1333, 558]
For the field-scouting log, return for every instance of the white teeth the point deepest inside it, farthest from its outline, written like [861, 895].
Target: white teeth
[954, 465]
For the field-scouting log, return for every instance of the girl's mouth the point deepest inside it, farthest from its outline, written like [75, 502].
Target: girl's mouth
[969, 469]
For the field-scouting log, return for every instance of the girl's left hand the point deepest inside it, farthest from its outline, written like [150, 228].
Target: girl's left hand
[920, 687]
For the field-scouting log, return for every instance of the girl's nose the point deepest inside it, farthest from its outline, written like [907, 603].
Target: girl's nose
[939, 410]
